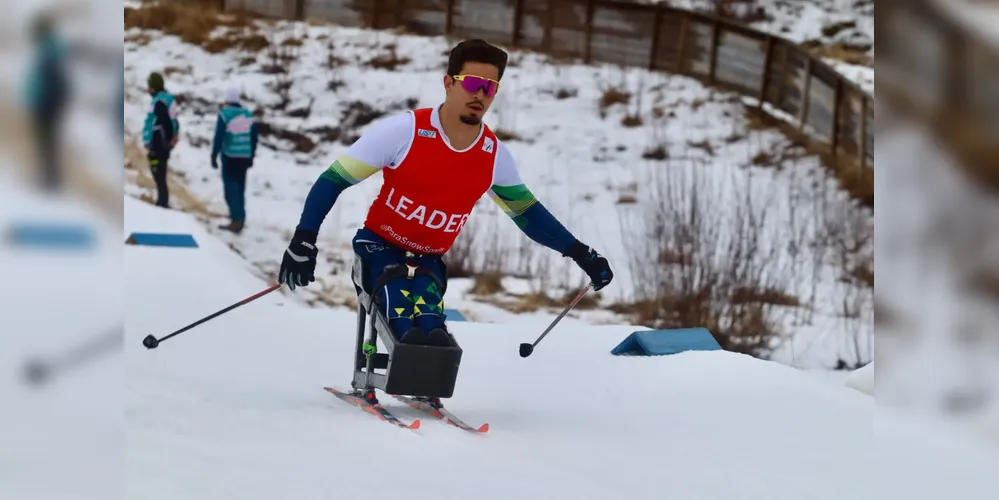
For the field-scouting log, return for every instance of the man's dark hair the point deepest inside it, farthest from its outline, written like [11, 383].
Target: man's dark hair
[476, 50]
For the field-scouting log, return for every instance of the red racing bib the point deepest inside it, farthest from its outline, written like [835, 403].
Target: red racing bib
[426, 200]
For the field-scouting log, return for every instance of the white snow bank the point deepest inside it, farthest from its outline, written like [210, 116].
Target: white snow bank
[862, 379]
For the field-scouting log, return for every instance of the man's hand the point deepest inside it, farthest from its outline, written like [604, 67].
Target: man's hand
[298, 266]
[215, 163]
[592, 263]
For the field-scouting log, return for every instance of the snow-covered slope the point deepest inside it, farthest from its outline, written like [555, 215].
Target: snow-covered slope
[590, 170]
[235, 409]
[55, 306]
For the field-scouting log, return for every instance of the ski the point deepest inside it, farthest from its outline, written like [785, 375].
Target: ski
[440, 412]
[375, 409]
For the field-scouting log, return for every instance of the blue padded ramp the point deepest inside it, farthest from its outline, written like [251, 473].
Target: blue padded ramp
[49, 235]
[454, 315]
[162, 240]
[662, 342]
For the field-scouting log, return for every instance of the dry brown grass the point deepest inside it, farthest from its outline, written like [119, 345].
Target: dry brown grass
[506, 135]
[198, 23]
[657, 152]
[525, 303]
[626, 198]
[612, 96]
[695, 265]
[138, 38]
[844, 53]
[137, 173]
[489, 283]
[751, 295]
[589, 301]
[389, 59]
[631, 121]
[763, 159]
[703, 145]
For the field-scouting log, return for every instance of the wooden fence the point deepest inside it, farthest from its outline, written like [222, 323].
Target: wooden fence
[941, 72]
[822, 103]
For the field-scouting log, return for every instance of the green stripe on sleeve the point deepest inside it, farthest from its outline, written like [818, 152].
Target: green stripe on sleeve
[346, 171]
[513, 200]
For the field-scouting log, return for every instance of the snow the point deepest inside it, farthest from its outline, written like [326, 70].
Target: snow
[52, 302]
[862, 379]
[579, 164]
[235, 409]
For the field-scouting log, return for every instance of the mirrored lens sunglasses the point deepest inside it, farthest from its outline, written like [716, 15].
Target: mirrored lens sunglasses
[473, 84]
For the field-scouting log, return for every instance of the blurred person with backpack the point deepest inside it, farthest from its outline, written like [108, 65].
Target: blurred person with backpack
[236, 135]
[160, 134]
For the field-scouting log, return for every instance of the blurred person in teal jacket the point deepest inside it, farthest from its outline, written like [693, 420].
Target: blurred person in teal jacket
[160, 133]
[236, 134]
[46, 95]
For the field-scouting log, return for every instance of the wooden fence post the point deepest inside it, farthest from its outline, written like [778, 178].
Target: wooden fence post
[374, 14]
[768, 60]
[546, 40]
[782, 87]
[518, 22]
[449, 18]
[836, 115]
[399, 14]
[715, 35]
[863, 131]
[654, 50]
[588, 33]
[806, 98]
[681, 44]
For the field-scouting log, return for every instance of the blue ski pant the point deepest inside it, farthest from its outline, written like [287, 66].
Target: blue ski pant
[234, 186]
[406, 302]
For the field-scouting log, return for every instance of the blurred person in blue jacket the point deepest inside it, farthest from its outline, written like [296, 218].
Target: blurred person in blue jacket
[236, 134]
[160, 133]
[46, 94]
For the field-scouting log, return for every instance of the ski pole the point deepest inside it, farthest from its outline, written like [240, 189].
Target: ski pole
[40, 370]
[527, 349]
[152, 342]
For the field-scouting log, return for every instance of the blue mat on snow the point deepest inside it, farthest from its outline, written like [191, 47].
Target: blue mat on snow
[454, 315]
[663, 342]
[162, 240]
[50, 235]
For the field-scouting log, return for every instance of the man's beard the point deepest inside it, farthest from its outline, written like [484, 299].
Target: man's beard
[470, 119]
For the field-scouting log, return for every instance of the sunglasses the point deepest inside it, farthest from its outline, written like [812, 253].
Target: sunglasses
[473, 84]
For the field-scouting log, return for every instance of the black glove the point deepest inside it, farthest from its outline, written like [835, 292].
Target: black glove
[592, 263]
[215, 163]
[298, 267]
